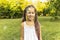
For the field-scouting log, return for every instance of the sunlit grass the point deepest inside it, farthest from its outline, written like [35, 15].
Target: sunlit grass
[50, 30]
[10, 29]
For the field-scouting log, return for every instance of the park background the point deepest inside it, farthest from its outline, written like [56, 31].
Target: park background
[11, 12]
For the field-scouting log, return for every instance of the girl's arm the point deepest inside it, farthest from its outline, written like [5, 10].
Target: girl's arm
[22, 32]
[40, 32]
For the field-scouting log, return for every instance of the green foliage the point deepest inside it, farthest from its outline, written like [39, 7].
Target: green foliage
[46, 11]
[55, 4]
[14, 9]
[7, 10]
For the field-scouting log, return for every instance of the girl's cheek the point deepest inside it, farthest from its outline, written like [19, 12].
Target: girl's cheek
[33, 15]
[27, 15]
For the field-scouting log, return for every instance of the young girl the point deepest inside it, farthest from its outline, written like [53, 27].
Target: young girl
[30, 26]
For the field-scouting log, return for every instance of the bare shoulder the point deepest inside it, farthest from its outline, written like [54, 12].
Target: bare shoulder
[22, 24]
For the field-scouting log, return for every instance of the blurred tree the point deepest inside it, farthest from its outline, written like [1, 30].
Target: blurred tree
[55, 4]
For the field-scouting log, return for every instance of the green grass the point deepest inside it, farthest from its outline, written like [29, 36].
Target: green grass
[50, 30]
[10, 29]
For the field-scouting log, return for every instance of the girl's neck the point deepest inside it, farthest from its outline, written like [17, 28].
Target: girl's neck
[30, 23]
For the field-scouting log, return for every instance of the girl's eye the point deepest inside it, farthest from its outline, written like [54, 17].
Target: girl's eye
[32, 12]
[29, 12]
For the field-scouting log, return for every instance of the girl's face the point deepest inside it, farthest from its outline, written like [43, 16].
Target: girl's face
[30, 14]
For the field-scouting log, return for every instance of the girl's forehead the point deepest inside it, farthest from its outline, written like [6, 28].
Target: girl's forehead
[31, 9]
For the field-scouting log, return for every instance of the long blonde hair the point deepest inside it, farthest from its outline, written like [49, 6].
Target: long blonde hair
[37, 26]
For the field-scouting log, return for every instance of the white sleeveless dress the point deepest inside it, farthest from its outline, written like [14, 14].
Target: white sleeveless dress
[29, 32]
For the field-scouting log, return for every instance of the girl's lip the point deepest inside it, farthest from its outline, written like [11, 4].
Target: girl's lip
[30, 16]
